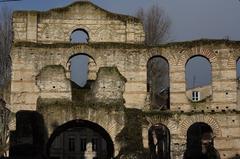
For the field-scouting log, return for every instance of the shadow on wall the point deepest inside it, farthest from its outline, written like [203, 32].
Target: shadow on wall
[130, 138]
[235, 157]
[28, 141]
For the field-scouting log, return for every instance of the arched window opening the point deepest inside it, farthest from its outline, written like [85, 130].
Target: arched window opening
[80, 139]
[79, 36]
[200, 142]
[79, 67]
[159, 142]
[198, 73]
[158, 83]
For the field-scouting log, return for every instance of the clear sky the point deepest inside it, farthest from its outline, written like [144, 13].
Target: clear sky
[191, 19]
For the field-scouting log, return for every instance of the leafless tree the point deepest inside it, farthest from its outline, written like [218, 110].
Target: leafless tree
[4, 130]
[156, 24]
[6, 35]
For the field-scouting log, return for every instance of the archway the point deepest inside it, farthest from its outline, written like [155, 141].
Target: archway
[200, 142]
[158, 82]
[80, 138]
[79, 68]
[159, 142]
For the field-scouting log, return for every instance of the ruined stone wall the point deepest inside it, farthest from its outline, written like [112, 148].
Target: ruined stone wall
[131, 61]
[30, 59]
[225, 128]
[56, 25]
[41, 71]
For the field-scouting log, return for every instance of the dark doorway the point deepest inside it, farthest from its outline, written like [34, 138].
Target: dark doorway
[159, 142]
[200, 142]
[158, 83]
[80, 139]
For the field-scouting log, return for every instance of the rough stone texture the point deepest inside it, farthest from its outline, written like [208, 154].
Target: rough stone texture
[54, 86]
[42, 50]
[56, 25]
[108, 87]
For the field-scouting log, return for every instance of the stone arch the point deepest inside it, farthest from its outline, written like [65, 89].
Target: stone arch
[188, 121]
[79, 27]
[113, 123]
[79, 49]
[207, 53]
[92, 60]
[84, 60]
[156, 119]
[156, 53]
[86, 124]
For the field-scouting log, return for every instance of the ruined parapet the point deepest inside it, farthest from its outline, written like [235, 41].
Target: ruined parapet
[53, 83]
[108, 87]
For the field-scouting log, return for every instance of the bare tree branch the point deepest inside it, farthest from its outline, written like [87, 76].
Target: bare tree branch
[5, 44]
[156, 27]
[156, 24]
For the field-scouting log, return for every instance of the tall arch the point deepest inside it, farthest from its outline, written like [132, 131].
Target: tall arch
[78, 65]
[158, 82]
[159, 142]
[82, 124]
[198, 72]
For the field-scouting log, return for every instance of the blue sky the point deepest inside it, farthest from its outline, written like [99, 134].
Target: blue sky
[191, 19]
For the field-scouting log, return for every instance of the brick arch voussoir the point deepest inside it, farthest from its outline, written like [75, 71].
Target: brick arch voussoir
[187, 122]
[157, 119]
[89, 32]
[207, 53]
[79, 49]
[156, 53]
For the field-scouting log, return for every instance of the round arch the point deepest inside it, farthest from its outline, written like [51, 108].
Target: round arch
[197, 55]
[158, 56]
[200, 142]
[197, 129]
[204, 52]
[82, 123]
[85, 54]
[186, 123]
[84, 29]
[203, 76]
[82, 62]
